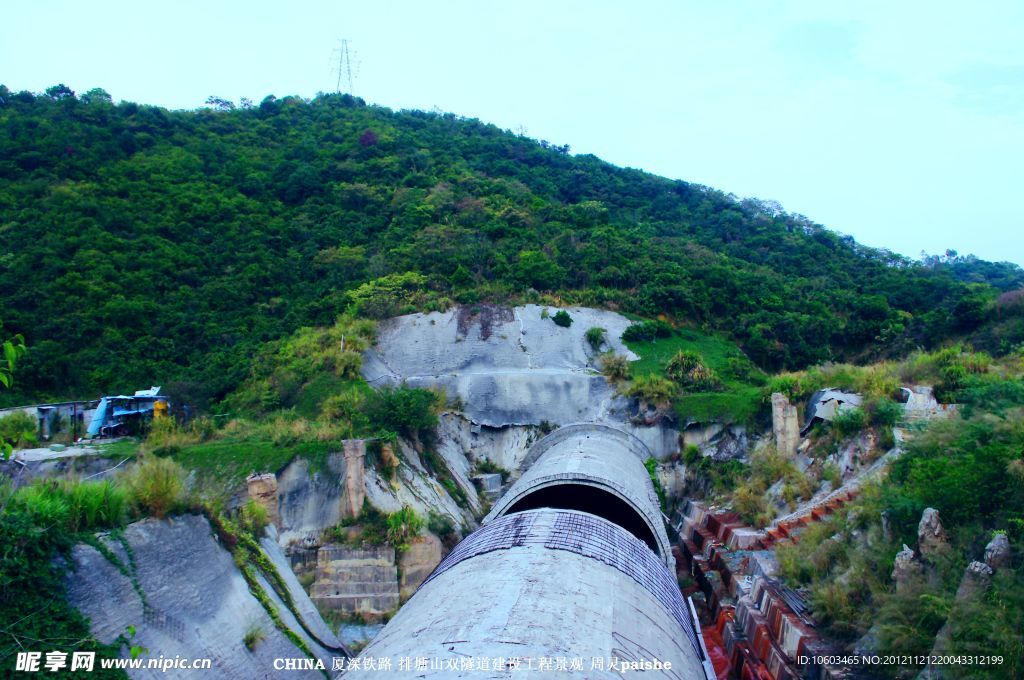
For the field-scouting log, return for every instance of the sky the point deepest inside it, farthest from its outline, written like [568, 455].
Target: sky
[899, 123]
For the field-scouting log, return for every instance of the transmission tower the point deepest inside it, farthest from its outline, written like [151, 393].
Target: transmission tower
[347, 65]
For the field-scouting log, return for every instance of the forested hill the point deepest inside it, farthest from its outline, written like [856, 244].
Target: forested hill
[144, 246]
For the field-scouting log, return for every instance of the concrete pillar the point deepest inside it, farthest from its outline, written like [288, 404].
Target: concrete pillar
[263, 490]
[355, 473]
[785, 425]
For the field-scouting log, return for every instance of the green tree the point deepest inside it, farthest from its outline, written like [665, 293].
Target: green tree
[13, 349]
[537, 270]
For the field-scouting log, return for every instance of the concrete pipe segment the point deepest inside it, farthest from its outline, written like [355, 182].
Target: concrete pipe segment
[570, 574]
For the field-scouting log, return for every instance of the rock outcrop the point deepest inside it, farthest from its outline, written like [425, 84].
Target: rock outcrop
[976, 580]
[997, 552]
[906, 569]
[262, 489]
[718, 441]
[931, 537]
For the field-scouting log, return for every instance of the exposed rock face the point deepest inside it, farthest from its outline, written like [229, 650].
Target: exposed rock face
[785, 425]
[489, 485]
[856, 452]
[931, 537]
[417, 562]
[544, 371]
[511, 367]
[263, 490]
[504, 446]
[355, 480]
[718, 441]
[313, 500]
[976, 580]
[360, 581]
[906, 568]
[197, 602]
[887, 526]
[997, 552]
[310, 501]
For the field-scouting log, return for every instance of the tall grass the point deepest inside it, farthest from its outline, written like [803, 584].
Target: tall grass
[156, 486]
[73, 506]
[167, 437]
[96, 504]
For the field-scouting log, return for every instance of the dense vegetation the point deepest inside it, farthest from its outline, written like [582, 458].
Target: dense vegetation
[42, 521]
[970, 468]
[143, 246]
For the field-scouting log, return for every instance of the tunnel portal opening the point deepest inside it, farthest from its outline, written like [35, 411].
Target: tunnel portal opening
[589, 499]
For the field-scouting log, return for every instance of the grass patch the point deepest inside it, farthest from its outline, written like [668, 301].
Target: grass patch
[741, 405]
[230, 461]
[739, 397]
[123, 448]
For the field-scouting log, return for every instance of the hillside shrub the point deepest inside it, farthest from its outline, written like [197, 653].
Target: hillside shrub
[848, 422]
[595, 337]
[155, 486]
[407, 411]
[688, 370]
[403, 526]
[883, 412]
[253, 517]
[389, 295]
[20, 430]
[647, 331]
[614, 367]
[562, 318]
[652, 389]
[96, 504]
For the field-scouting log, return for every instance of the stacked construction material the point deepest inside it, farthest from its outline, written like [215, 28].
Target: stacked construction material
[772, 633]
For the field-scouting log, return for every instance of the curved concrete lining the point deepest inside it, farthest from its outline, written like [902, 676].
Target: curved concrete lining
[590, 497]
[598, 456]
[545, 584]
[595, 430]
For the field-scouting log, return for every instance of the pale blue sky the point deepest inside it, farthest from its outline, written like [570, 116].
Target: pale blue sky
[901, 123]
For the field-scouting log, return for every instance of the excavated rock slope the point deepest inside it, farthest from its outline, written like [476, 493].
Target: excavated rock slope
[511, 367]
[197, 604]
[508, 366]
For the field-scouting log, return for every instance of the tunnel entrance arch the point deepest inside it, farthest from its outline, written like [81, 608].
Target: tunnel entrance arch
[593, 500]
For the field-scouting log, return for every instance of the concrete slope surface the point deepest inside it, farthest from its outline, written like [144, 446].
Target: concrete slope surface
[509, 366]
[198, 605]
[512, 367]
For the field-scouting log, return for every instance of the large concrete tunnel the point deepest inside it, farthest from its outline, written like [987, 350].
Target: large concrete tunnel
[571, 565]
